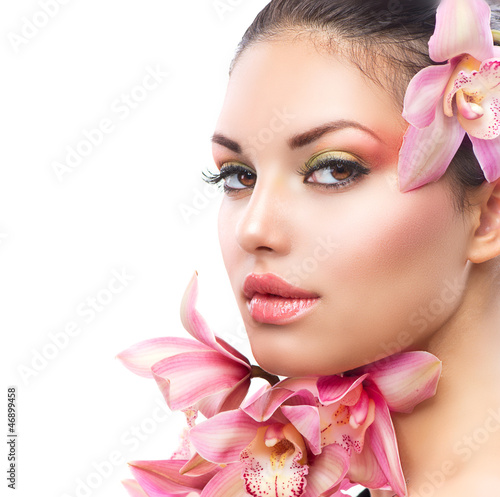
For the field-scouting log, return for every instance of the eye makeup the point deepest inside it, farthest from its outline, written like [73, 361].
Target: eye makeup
[326, 169]
[333, 169]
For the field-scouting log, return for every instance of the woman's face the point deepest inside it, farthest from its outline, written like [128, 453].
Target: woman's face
[313, 145]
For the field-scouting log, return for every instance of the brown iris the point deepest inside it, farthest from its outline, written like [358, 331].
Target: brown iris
[247, 178]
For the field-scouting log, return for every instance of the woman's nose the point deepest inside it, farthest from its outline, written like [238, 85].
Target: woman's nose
[265, 223]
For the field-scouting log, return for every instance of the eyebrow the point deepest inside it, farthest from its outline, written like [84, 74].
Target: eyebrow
[301, 139]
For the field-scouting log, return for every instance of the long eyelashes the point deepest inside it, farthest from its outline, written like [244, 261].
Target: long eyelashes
[337, 168]
[343, 170]
[226, 172]
[210, 177]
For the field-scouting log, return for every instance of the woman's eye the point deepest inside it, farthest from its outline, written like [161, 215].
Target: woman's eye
[333, 172]
[239, 180]
[235, 177]
[333, 169]
[326, 169]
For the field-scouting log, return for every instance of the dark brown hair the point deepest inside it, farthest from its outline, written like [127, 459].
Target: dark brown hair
[364, 31]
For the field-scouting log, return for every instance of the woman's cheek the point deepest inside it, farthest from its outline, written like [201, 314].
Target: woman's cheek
[384, 230]
[399, 258]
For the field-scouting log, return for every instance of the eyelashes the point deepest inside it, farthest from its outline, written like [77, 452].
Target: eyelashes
[329, 169]
[333, 169]
[232, 173]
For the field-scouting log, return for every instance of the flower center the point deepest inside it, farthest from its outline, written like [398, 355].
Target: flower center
[468, 104]
[280, 452]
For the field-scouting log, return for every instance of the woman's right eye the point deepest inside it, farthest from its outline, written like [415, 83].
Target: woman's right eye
[236, 177]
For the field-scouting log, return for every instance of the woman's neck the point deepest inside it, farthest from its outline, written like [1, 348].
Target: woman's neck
[450, 445]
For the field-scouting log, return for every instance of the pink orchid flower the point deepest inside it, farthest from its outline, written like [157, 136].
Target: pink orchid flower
[206, 373]
[354, 412]
[443, 102]
[265, 458]
[319, 434]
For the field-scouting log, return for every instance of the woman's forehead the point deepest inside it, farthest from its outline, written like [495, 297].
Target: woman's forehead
[294, 78]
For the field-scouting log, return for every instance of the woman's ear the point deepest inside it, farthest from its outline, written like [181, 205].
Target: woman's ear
[485, 244]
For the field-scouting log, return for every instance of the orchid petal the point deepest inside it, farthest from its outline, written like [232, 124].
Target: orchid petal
[230, 351]
[359, 411]
[264, 406]
[194, 323]
[227, 483]
[197, 466]
[426, 154]
[185, 379]
[364, 467]
[489, 73]
[226, 400]
[254, 397]
[327, 472]
[133, 488]
[487, 153]
[462, 26]
[424, 93]
[273, 463]
[384, 445]
[335, 388]
[158, 478]
[405, 379]
[306, 421]
[235, 395]
[300, 383]
[140, 357]
[222, 438]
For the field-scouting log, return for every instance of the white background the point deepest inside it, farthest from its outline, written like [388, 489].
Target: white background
[135, 205]
[120, 209]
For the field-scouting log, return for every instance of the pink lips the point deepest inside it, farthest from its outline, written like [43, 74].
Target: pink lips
[272, 300]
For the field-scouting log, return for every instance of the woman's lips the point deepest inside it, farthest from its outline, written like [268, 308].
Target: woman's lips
[272, 300]
[273, 309]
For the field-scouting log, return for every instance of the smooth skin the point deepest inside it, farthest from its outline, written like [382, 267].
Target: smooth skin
[394, 271]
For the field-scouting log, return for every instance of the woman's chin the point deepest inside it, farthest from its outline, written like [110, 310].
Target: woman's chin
[296, 366]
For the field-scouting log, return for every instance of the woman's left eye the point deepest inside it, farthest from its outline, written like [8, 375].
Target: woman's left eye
[333, 169]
